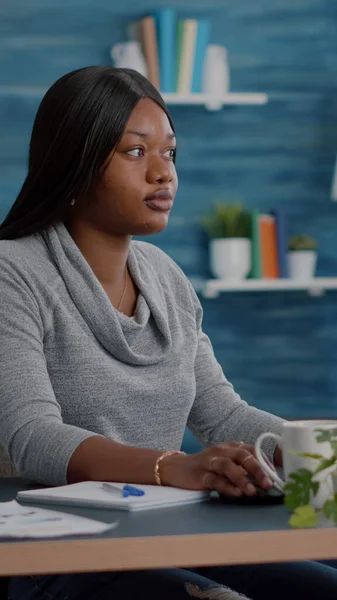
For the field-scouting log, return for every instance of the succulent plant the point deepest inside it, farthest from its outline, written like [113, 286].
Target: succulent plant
[228, 221]
[302, 242]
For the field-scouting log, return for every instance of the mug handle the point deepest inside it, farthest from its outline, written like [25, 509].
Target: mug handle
[262, 460]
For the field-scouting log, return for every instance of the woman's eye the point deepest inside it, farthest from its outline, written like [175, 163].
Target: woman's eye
[136, 152]
[172, 153]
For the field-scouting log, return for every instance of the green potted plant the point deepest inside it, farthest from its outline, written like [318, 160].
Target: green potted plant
[305, 485]
[302, 256]
[229, 231]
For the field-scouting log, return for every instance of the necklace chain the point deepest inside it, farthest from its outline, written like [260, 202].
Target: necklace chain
[124, 290]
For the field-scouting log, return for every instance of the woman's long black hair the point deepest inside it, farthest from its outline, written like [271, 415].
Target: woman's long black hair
[79, 121]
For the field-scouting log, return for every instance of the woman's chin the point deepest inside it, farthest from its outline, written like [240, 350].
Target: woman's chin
[153, 225]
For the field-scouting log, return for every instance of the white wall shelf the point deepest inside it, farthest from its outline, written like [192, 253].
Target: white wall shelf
[210, 102]
[211, 288]
[213, 102]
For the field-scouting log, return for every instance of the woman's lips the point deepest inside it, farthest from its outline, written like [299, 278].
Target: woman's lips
[160, 204]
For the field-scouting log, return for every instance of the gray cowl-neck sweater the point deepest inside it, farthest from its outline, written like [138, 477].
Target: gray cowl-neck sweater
[73, 366]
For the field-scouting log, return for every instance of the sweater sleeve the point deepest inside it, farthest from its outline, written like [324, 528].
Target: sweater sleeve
[31, 427]
[218, 413]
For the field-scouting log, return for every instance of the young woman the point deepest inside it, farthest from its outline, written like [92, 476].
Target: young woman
[103, 359]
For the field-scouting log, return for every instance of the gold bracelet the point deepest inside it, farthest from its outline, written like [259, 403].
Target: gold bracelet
[158, 461]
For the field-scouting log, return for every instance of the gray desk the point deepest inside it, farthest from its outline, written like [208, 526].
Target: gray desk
[211, 533]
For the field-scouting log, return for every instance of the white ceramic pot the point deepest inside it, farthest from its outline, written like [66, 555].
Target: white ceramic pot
[129, 55]
[230, 258]
[302, 264]
[215, 77]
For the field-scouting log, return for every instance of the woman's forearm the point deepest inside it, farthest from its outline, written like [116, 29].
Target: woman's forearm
[100, 459]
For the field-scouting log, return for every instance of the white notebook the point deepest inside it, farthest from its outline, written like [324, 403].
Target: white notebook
[92, 493]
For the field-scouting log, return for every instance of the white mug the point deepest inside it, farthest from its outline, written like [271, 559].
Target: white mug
[298, 437]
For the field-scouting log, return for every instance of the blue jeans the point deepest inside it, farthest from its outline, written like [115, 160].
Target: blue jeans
[298, 581]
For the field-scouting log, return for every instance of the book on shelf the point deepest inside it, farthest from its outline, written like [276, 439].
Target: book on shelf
[174, 50]
[256, 271]
[269, 259]
[281, 240]
[166, 32]
[269, 245]
[202, 39]
[148, 38]
[186, 43]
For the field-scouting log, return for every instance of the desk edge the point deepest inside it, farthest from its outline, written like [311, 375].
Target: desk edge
[114, 554]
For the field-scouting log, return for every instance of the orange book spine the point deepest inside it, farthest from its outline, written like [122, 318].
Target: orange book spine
[269, 259]
[150, 49]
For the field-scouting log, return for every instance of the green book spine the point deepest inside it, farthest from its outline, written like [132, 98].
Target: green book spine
[256, 270]
[179, 45]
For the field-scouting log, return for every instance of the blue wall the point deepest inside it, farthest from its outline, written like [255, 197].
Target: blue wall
[278, 349]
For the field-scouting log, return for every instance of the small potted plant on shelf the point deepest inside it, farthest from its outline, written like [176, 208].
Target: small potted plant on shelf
[229, 231]
[302, 256]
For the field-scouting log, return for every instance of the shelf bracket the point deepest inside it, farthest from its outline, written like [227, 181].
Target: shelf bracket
[214, 105]
[316, 292]
[209, 292]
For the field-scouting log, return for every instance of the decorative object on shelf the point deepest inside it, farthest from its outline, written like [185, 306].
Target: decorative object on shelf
[181, 62]
[128, 55]
[302, 256]
[229, 230]
[215, 79]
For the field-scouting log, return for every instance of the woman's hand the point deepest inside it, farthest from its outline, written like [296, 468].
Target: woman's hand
[224, 468]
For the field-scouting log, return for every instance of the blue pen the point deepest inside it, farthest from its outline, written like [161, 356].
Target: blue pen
[133, 491]
[126, 490]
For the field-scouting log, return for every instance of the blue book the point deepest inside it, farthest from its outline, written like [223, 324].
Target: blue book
[282, 242]
[166, 32]
[203, 33]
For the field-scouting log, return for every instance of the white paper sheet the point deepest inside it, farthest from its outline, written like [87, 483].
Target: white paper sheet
[28, 521]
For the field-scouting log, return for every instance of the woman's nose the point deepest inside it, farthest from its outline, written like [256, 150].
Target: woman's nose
[160, 171]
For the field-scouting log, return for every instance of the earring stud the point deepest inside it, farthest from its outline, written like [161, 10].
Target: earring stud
[73, 202]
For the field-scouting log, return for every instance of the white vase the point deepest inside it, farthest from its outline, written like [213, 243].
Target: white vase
[230, 258]
[215, 77]
[129, 55]
[302, 264]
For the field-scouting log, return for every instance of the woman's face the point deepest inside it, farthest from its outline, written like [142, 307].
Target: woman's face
[139, 184]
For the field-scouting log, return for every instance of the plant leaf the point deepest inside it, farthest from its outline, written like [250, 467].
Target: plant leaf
[306, 454]
[304, 516]
[325, 464]
[302, 242]
[325, 435]
[299, 487]
[228, 221]
[329, 509]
